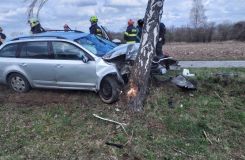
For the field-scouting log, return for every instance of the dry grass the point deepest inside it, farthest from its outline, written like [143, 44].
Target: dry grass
[230, 50]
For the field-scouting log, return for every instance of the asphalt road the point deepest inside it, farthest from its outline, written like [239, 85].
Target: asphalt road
[212, 64]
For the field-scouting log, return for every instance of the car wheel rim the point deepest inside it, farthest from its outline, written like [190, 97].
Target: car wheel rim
[18, 84]
[107, 90]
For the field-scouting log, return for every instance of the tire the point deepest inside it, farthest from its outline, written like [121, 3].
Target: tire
[18, 83]
[109, 90]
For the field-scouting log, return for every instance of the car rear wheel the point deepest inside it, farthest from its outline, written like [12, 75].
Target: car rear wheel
[109, 90]
[18, 83]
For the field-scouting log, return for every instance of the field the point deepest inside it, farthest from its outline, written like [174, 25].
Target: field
[53, 124]
[230, 50]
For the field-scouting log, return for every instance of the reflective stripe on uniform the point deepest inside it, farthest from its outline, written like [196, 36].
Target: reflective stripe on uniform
[130, 35]
[130, 42]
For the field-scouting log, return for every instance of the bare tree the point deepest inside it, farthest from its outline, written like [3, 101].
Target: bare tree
[238, 31]
[197, 14]
[140, 73]
[224, 31]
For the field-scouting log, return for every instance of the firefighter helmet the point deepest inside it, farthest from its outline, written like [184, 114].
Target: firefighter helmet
[33, 22]
[94, 19]
[130, 22]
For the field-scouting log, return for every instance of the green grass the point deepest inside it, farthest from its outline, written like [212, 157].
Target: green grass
[69, 130]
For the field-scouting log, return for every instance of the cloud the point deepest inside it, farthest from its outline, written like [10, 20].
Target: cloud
[124, 3]
[80, 3]
[112, 13]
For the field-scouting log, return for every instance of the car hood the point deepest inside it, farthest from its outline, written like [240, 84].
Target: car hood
[128, 50]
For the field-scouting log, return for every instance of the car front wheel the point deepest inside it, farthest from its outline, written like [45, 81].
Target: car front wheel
[109, 90]
[18, 83]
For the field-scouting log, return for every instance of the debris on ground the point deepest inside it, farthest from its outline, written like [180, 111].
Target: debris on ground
[186, 73]
[226, 75]
[120, 146]
[171, 102]
[117, 110]
[182, 82]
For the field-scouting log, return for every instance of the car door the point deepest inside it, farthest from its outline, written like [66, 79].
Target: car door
[7, 58]
[73, 69]
[36, 60]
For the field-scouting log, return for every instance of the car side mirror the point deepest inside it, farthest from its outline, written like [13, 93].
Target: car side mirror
[117, 41]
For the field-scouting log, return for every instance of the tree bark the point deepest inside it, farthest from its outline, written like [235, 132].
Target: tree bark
[140, 73]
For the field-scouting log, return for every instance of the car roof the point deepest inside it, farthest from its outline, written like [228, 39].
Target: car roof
[70, 35]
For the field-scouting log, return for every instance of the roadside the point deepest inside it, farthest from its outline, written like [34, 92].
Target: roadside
[212, 64]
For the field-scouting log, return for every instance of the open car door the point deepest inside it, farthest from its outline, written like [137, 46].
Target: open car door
[105, 33]
[106, 36]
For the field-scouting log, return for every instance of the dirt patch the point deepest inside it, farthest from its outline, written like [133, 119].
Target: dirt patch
[230, 50]
[40, 97]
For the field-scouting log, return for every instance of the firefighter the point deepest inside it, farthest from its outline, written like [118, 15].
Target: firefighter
[95, 29]
[130, 36]
[139, 29]
[35, 26]
[2, 36]
[67, 28]
[161, 40]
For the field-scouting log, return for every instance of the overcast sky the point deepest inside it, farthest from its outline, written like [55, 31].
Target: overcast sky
[112, 13]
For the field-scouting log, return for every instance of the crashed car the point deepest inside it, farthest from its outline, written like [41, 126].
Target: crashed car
[69, 60]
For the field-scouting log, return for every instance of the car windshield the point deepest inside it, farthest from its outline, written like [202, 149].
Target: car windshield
[97, 45]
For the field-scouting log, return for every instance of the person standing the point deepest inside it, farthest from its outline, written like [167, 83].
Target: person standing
[130, 36]
[161, 40]
[67, 28]
[35, 26]
[139, 29]
[94, 28]
[2, 36]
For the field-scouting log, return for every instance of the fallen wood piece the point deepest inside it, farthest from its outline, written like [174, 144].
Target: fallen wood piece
[219, 97]
[181, 152]
[206, 136]
[120, 146]
[112, 121]
[130, 139]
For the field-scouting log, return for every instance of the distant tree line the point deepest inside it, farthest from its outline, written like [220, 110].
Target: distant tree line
[207, 33]
[200, 30]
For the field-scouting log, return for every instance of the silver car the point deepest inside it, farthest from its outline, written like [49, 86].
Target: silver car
[60, 60]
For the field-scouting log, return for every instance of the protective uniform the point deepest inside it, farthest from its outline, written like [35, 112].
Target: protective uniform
[95, 29]
[35, 26]
[161, 40]
[139, 29]
[130, 36]
[2, 36]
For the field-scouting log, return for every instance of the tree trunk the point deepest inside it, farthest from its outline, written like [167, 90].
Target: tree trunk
[140, 73]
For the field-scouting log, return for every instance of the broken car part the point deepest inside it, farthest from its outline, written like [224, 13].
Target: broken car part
[183, 83]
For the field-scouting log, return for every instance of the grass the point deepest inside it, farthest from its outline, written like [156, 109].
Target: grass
[69, 131]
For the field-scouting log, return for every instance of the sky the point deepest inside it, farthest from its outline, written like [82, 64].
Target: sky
[113, 14]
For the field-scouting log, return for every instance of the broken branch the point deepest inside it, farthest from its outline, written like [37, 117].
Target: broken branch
[181, 152]
[112, 121]
[206, 136]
